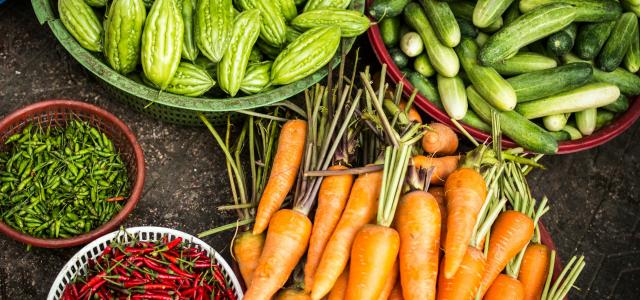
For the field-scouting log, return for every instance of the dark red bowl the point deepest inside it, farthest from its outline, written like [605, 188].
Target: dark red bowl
[57, 111]
[598, 138]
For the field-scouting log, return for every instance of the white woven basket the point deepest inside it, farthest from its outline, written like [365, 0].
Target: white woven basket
[147, 233]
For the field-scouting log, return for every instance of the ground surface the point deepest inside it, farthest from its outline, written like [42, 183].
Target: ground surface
[595, 195]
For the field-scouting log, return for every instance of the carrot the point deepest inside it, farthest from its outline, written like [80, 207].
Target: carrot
[360, 210]
[534, 270]
[375, 249]
[418, 223]
[292, 294]
[332, 198]
[247, 248]
[465, 282]
[287, 160]
[396, 293]
[390, 283]
[465, 192]
[440, 139]
[505, 288]
[443, 166]
[413, 114]
[286, 242]
[510, 234]
[438, 193]
[340, 288]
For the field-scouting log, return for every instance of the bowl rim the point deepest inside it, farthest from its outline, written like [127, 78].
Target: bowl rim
[136, 189]
[601, 136]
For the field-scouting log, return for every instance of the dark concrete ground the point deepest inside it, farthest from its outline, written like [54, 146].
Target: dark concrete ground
[595, 195]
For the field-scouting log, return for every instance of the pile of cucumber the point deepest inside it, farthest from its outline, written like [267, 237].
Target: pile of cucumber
[554, 69]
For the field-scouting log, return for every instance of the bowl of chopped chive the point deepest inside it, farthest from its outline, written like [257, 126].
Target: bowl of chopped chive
[69, 173]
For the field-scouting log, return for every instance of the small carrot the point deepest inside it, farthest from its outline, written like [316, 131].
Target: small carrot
[438, 193]
[443, 166]
[340, 288]
[396, 293]
[390, 283]
[534, 270]
[510, 234]
[291, 144]
[440, 139]
[332, 198]
[360, 210]
[465, 192]
[464, 284]
[413, 114]
[247, 248]
[418, 223]
[505, 288]
[292, 294]
[286, 242]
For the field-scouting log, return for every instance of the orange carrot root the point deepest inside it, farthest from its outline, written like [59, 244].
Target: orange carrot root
[413, 114]
[438, 193]
[505, 288]
[464, 284]
[292, 294]
[390, 283]
[247, 248]
[396, 293]
[443, 166]
[440, 139]
[534, 270]
[339, 289]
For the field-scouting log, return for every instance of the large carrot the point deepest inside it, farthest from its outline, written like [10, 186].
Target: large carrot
[443, 166]
[438, 193]
[418, 223]
[390, 283]
[465, 192]
[464, 284]
[505, 288]
[396, 293]
[247, 248]
[291, 144]
[510, 234]
[340, 288]
[332, 198]
[440, 139]
[534, 270]
[360, 210]
[292, 294]
[286, 242]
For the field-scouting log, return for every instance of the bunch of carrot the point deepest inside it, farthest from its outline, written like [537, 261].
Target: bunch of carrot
[419, 221]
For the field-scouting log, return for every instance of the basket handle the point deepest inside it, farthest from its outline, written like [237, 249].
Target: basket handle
[43, 10]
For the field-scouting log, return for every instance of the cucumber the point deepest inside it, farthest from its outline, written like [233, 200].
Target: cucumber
[464, 10]
[524, 132]
[586, 10]
[604, 118]
[525, 62]
[561, 42]
[422, 65]
[488, 11]
[443, 22]
[466, 28]
[411, 44]
[560, 135]
[627, 82]
[390, 31]
[555, 122]
[573, 132]
[540, 84]
[632, 59]
[512, 13]
[586, 120]
[425, 88]
[591, 37]
[399, 58]
[525, 30]
[482, 38]
[632, 5]
[487, 81]
[473, 120]
[453, 96]
[387, 8]
[620, 105]
[443, 58]
[592, 95]
[619, 42]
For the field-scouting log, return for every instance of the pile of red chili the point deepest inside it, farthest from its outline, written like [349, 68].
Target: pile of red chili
[150, 270]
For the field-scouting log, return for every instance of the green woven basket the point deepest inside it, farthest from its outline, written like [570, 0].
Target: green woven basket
[166, 106]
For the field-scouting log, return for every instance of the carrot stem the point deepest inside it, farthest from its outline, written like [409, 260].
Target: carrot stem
[395, 169]
[226, 227]
[260, 115]
[465, 132]
[350, 171]
[291, 106]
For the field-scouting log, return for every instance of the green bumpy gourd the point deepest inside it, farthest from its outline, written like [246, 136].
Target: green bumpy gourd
[289, 9]
[307, 54]
[96, 3]
[123, 30]
[233, 65]
[190, 80]
[189, 48]
[162, 42]
[256, 78]
[352, 23]
[83, 24]
[292, 34]
[318, 4]
[256, 55]
[274, 28]
[213, 25]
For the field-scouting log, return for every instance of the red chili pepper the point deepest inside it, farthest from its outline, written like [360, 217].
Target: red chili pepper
[230, 294]
[219, 277]
[135, 282]
[151, 297]
[208, 287]
[202, 265]
[138, 251]
[136, 274]
[168, 277]
[180, 272]
[157, 286]
[218, 295]
[103, 295]
[93, 281]
[119, 257]
[153, 266]
[188, 292]
[170, 258]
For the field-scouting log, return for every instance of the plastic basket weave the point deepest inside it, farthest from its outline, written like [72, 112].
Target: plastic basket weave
[78, 262]
[166, 106]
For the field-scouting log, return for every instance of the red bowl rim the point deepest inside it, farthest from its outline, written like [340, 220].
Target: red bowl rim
[136, 190]
[598, 138]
